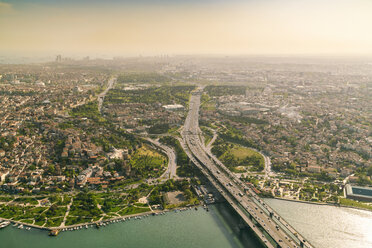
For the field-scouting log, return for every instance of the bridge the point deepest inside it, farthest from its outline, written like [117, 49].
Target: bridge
[271, 229]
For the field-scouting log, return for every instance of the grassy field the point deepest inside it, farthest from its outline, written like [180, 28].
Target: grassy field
[352, 203]
[241, 152]
[145, 151]
[238, 157]
[209, 106]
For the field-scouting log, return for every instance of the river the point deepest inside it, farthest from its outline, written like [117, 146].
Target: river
[324, 226]
[327, 226]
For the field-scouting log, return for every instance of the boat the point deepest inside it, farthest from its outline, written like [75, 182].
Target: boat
[4, 224]
[54, 232]
[20, 226]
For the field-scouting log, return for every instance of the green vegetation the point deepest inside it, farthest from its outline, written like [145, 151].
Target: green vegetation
[237, 157]
[133, 210]
[54, 222]
[117, 138]
[246, 120]
[7, 143]
[225, 90]
[312, 191]
[84, 205]
[171, 185]
[234, 135]
[352, 203]
[147, 163]
[207, 133]
[163, 95]
[89, 110]
[24, 200]
[185, 168]
[159, 128]
[5, 199]
[207, 103]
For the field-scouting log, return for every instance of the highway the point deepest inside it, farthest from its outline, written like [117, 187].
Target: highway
[272, 230]
[171, 170]
[101, 96]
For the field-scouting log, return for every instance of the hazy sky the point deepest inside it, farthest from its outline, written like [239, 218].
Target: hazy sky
[152, 27]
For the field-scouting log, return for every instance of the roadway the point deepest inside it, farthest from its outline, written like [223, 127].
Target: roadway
[102, 95]
[268, 225]
[171, 170]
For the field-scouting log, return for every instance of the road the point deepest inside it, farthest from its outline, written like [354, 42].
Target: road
[268, 225]
[172, 164]
[101, 96]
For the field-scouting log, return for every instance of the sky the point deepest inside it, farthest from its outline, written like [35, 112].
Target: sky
[158, 27]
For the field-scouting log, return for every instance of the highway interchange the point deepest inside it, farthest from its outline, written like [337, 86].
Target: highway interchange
[272, 230]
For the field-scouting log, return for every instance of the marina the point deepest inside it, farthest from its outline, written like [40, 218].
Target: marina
[182, 228]
[54, 231]
[217, 226]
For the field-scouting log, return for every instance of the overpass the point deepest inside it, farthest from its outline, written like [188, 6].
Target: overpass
[269, 226]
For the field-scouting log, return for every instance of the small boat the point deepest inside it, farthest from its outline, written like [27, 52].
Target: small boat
[20, 226]
[54, 232]
[4, 224]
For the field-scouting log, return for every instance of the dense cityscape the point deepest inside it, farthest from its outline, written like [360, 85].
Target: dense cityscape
[188, 124]
[92, 141]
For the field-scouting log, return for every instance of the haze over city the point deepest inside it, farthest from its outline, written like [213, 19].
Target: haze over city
[132, 28]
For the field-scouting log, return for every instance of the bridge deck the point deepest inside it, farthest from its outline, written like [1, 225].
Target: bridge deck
[272, 230]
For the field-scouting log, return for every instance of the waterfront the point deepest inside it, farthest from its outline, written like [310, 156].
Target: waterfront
[214, 228]
[324, 226]
[327, 226]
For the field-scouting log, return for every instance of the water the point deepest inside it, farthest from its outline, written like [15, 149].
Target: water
[323, 226]
[185, 229]
[327, 226]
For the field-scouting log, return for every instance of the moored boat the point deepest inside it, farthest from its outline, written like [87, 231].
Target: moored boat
[54, 232]
[4, 224]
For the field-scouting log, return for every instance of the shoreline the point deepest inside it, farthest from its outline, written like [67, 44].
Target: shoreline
[119, 218]
[320, 203]
[154, 213]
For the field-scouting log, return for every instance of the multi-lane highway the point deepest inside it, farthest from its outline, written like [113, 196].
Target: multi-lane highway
[272, 230]
[101, 96]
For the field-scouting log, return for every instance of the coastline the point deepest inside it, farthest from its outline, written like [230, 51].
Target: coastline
[321, 203]
[119, 218]
[157, 212]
